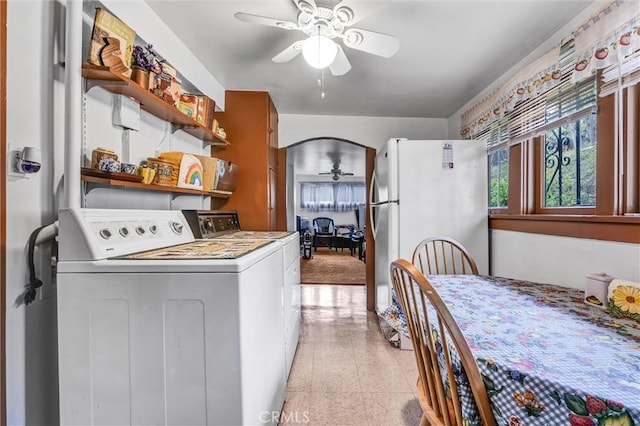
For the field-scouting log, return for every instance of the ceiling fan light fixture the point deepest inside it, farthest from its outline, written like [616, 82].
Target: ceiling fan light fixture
[336, 177]
[319, 51]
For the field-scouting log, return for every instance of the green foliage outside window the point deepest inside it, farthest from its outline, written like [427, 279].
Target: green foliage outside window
[499, 177]
[570, 164]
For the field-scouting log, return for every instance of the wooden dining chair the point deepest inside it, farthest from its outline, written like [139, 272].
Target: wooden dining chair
[431, 331]
[443, 255]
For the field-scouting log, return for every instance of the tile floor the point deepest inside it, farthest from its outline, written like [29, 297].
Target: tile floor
[344, 371]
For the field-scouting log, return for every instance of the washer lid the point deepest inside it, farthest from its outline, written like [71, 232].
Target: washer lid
[185, 264]
[202, 249]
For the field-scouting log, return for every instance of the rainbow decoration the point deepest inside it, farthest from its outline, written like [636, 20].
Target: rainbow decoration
[194, 175]
[190, 172]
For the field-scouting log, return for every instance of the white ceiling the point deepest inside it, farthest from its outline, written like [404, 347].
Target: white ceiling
[317, 156]
[449, 51]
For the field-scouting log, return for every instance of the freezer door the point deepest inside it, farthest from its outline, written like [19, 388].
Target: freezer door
[386, 251]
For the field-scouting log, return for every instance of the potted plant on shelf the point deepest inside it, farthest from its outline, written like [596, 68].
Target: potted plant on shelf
[144, 61]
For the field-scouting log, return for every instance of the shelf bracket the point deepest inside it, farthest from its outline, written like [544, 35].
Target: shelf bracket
[175, 127]
[90, 83]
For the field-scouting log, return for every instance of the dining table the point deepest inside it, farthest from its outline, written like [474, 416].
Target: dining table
[546, 357]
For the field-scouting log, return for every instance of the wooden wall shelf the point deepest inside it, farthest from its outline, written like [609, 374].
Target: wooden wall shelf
[152, 187]
[117, 83]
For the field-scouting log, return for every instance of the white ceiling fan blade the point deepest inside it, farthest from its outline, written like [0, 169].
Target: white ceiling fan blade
[350, 12]
[306, 6]
[340, 65]
[289, 53]
[263, 20]
[384, 45]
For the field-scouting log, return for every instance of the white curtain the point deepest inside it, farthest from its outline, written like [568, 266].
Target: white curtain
[331, 196]
[349, 196]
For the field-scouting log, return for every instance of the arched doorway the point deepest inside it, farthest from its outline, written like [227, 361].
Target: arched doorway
[324, 156]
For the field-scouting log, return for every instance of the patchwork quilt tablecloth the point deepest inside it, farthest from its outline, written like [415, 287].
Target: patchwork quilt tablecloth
[545, 356]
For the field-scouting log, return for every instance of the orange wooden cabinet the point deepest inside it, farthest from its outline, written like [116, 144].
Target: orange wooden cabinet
[251, 119]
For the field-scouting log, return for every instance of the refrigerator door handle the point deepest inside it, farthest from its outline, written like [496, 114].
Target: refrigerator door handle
[371, 221]
[371, 186]
[372, 204]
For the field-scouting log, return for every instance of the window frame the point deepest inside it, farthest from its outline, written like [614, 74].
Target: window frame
[489, 153]
[539, 178]
[616, 216]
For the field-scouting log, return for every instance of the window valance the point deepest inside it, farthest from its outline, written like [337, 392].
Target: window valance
[542, 75]
[604, 39]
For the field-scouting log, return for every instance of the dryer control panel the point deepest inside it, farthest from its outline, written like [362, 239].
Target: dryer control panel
[211, 224]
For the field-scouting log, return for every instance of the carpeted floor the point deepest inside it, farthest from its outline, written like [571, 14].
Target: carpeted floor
[331, 267]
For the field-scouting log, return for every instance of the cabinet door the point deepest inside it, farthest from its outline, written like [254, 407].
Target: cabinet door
[272, 198]
[273, 135]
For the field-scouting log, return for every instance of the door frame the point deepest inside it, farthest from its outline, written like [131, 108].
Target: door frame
[281, 206]
[3, 206]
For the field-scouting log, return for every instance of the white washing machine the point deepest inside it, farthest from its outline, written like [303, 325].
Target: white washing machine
[208, 224]
[155, 327]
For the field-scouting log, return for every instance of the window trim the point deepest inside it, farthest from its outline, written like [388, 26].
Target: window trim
[625, 229]
[538, 206]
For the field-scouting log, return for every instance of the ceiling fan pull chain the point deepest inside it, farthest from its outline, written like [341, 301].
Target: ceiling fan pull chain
[322, 88]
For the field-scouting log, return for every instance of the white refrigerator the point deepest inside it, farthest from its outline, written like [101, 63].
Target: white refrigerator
[427, 188]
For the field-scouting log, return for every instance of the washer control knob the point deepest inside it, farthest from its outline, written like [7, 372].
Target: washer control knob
[124, 231]
[140, 230]
[105, 233]
[153, 229]
[176, 227]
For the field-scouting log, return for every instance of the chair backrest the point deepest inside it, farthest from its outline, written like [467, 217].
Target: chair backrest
[323, 225]
[443, 255]
[432, 330]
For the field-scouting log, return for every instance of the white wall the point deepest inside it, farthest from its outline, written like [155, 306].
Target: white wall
[561, 260]
[368, 131]
[546, 258]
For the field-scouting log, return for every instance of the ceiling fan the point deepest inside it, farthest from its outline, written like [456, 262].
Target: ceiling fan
[323, 25]
[336, 172]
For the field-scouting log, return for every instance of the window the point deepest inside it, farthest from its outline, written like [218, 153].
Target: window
[499, 177]
[332, 196]
[570, 164]
[570, 158]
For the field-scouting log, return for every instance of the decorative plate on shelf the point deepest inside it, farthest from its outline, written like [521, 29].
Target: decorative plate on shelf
[87, 171]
